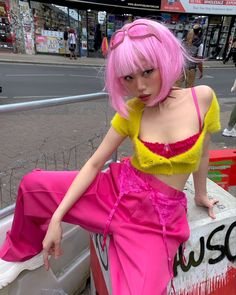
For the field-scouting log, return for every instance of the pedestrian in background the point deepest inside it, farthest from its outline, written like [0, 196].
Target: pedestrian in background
[194, 46]
[97, 38]
[72, 39]
[139, 202]
[65, 38]
[104, 46]
[230, 131]
[232, 53]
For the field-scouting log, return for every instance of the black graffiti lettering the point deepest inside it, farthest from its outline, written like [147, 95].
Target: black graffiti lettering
[201, 256]
[220, 248]
[177, 260]
[229, 255]
[191, 262]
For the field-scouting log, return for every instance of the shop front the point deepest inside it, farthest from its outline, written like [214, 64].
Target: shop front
[50, 22]
[217, 19]
[91, 20]
[38, 27]
[5, 29]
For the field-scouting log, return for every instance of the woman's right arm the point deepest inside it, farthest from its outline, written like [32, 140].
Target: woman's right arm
[87, 174]
[85, 177]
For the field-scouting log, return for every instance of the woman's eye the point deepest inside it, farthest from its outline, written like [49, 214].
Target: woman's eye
[147, 72]
[128, 78]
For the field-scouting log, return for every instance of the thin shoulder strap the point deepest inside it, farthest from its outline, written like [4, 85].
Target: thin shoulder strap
[197, 107]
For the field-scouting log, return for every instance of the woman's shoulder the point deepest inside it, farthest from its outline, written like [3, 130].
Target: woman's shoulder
[205, 95]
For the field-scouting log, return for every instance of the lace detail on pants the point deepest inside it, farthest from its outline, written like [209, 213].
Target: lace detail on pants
[164, 207]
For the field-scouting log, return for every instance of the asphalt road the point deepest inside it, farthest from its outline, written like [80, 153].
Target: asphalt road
[30, 82]
[24, 82]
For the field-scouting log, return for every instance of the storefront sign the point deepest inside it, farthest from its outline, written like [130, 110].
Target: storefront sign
[144, 5]
[218, 7]
[49, 44]
[55, 34]
[101, 17]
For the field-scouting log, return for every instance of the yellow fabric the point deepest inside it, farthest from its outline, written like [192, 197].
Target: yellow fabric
[149, 162]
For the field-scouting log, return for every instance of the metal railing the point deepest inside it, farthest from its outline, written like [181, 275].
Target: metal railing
[38, 104]
[32, 105]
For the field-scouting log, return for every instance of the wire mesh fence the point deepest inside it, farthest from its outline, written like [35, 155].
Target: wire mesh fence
[58, 138]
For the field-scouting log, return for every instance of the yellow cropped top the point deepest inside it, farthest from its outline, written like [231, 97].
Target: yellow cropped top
[145, 160]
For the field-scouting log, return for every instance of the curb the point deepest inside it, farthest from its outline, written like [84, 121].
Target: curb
[89, 64]
[51, 63]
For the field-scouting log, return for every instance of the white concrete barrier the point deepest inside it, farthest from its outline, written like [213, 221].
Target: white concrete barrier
[67, 274]
[210, 253]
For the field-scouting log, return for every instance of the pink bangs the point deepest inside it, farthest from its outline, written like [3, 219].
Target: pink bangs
[164, 53]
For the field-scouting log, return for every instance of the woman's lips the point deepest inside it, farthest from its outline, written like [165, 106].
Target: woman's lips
[144, 97]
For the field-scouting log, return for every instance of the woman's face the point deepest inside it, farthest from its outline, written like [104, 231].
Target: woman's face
[144, 84]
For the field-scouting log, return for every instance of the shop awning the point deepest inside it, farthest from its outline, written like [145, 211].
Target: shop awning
[143, 7]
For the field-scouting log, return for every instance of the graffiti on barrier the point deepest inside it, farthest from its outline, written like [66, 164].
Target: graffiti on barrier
[195, 258]
[224, 249]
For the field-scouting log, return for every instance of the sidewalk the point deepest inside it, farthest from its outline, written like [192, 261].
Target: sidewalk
[50, 59]
[81, 61]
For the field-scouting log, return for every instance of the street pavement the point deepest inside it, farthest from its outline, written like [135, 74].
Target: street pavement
[80, 61]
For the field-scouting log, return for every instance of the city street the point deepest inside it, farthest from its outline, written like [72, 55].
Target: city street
[64, 137]
[23, 82]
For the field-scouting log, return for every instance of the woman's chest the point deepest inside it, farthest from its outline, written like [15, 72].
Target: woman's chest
[168, 127]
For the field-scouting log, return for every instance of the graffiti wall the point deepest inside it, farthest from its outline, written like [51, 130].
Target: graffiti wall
[27, 27]
[16, 26]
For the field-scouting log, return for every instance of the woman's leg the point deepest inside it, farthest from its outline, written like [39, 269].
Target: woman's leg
[139, 260]
[39, 194]
[232, 119]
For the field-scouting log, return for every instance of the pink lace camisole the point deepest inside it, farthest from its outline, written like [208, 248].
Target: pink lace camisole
[179, 147]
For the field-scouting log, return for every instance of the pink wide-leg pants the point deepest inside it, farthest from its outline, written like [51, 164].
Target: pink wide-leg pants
[145, 218]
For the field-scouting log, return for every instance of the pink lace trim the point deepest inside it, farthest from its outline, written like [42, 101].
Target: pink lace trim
[164, 207]
[172, 149]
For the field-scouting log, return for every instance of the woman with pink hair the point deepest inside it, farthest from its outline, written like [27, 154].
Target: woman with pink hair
[138, 202]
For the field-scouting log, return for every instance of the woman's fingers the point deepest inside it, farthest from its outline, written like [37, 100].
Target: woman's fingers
[208, 203]
[45, 259]
[57, 250]
[211, 208]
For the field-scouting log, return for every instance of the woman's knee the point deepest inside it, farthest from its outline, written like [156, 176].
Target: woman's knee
[32, 179]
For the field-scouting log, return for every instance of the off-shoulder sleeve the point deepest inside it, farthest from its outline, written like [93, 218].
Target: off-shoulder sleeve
[120, 124]
[212, 119]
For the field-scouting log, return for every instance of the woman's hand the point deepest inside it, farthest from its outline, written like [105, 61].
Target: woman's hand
[204, 201]
[52, 242]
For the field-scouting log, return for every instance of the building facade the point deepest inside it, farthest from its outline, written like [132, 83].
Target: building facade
[36, 27]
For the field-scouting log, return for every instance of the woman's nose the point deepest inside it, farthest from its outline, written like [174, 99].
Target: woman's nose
[140, 84]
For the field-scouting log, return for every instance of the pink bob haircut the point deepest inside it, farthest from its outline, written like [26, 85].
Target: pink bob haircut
[162, 51]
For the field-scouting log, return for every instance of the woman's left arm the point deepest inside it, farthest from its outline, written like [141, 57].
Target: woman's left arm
[200, 181]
